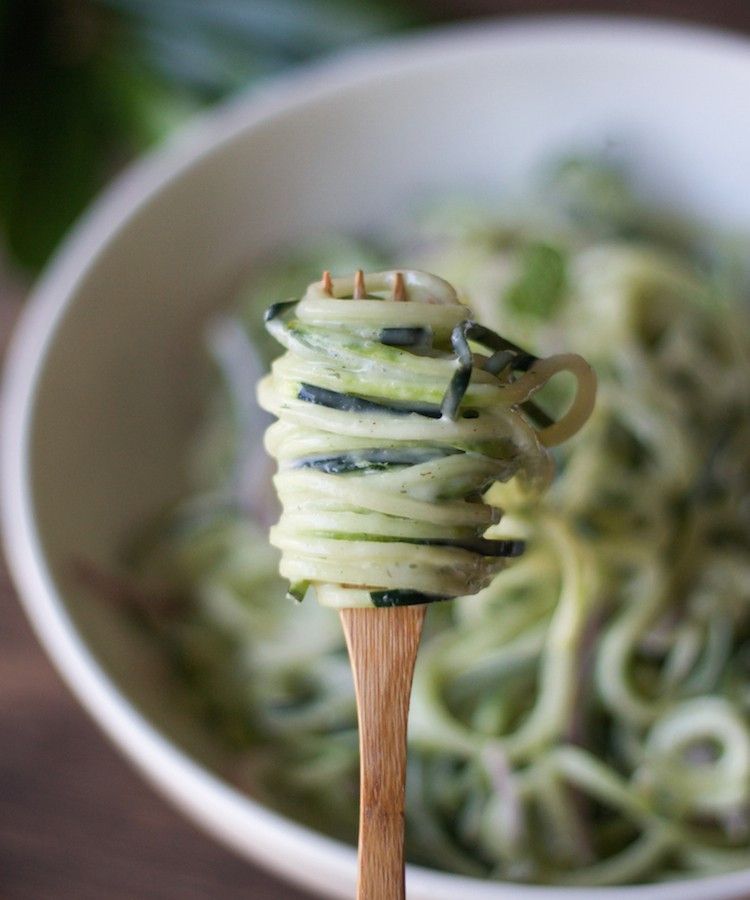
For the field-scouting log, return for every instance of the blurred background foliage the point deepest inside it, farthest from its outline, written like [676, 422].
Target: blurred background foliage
[87, 84]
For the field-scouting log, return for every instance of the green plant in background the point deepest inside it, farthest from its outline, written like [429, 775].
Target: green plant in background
[86, 84]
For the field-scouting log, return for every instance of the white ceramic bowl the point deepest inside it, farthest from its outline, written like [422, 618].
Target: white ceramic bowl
[98, 401]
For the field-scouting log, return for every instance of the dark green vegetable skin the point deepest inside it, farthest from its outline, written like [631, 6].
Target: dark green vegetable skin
[404, 598]
[375, 459]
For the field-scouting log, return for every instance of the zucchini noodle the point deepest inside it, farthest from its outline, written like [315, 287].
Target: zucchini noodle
[584, 719]
[396, 415]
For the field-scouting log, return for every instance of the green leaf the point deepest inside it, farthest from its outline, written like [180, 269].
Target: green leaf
[541, 285]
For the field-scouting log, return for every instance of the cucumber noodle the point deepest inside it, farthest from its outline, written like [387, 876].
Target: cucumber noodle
[391, 431]
[584, 718]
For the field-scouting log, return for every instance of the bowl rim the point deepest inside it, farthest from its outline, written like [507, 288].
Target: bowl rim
[293, 851]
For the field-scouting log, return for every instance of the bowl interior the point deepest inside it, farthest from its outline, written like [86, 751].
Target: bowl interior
[111, 402]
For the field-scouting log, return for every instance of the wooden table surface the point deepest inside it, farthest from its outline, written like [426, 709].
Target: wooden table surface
[76, 822]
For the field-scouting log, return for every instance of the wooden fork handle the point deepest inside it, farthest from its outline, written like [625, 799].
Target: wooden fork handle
[382, 648]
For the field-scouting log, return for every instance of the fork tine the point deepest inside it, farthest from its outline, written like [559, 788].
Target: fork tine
[399, 288]
[360, 291]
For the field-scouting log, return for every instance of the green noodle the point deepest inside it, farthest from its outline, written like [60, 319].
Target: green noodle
[385, 505]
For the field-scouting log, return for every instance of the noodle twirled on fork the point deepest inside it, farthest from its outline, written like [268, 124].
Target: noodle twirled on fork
[397, 412]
